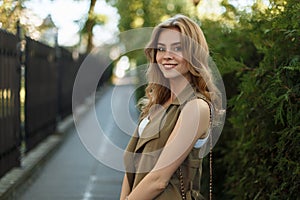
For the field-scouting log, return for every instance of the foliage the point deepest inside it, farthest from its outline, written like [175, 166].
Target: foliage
[261, 150]
[138, 14]
[258, 55]
[10, 12]
[92, 20]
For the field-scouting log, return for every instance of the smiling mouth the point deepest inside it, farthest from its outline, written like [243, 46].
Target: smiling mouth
[169, 66]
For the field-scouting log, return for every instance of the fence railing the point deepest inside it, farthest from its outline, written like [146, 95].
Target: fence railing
[67, 72]
[49, 78]
[41, 92]
[9, 102]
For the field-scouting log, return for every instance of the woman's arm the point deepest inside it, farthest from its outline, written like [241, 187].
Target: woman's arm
[125, 188]
[191, 125]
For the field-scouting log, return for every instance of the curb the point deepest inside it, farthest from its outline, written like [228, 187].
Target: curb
[13, 181]
[15, 178]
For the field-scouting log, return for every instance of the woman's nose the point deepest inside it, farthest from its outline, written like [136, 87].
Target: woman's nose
[168, 54]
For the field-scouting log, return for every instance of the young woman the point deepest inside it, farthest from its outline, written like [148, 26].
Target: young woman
[162, 158]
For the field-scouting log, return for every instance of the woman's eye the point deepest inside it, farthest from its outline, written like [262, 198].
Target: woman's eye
[160, 49]
[177, 49]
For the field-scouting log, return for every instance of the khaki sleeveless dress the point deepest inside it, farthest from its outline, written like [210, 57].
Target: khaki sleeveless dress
[142, 152]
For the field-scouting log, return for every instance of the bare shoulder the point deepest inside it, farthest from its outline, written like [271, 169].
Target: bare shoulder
[198, 111]
[197, 105]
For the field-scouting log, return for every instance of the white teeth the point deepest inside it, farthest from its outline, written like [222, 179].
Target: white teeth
[169, 66]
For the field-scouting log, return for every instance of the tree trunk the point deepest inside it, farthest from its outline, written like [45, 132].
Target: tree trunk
[89, 25]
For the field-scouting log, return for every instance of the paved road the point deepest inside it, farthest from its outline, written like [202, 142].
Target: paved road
[72, 172]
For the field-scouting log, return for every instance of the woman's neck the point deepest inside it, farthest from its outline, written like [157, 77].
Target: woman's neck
[177, 85]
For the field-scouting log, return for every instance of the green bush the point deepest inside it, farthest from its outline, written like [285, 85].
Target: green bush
[258, 55]
[261, 157]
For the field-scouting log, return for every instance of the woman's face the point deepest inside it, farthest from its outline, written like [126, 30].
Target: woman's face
[169, 54]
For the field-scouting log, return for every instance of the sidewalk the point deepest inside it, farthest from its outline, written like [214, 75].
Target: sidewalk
[32, 162]
[61, 168]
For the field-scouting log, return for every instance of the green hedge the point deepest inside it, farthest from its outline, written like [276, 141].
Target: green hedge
[258, 55]
[258, 153]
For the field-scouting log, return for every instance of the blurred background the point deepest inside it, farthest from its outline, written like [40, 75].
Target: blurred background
[256, 47]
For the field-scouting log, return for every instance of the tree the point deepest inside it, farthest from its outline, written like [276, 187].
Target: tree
[93, 19]
[145, 13]
[261, 151]
[15, 13]
[258, 54]
[10, 12]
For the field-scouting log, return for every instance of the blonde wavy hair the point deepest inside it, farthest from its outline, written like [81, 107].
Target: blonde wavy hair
[195, 52]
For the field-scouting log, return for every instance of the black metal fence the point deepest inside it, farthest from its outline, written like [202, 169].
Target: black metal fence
[67, 71]
[49, 78]
[41, 92]
[9, 102]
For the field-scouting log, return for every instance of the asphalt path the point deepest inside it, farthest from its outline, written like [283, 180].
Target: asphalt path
[75, 171]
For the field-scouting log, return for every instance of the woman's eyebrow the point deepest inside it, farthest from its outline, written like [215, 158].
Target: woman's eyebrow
[161, 44]
[176, 43]
[173, 44]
